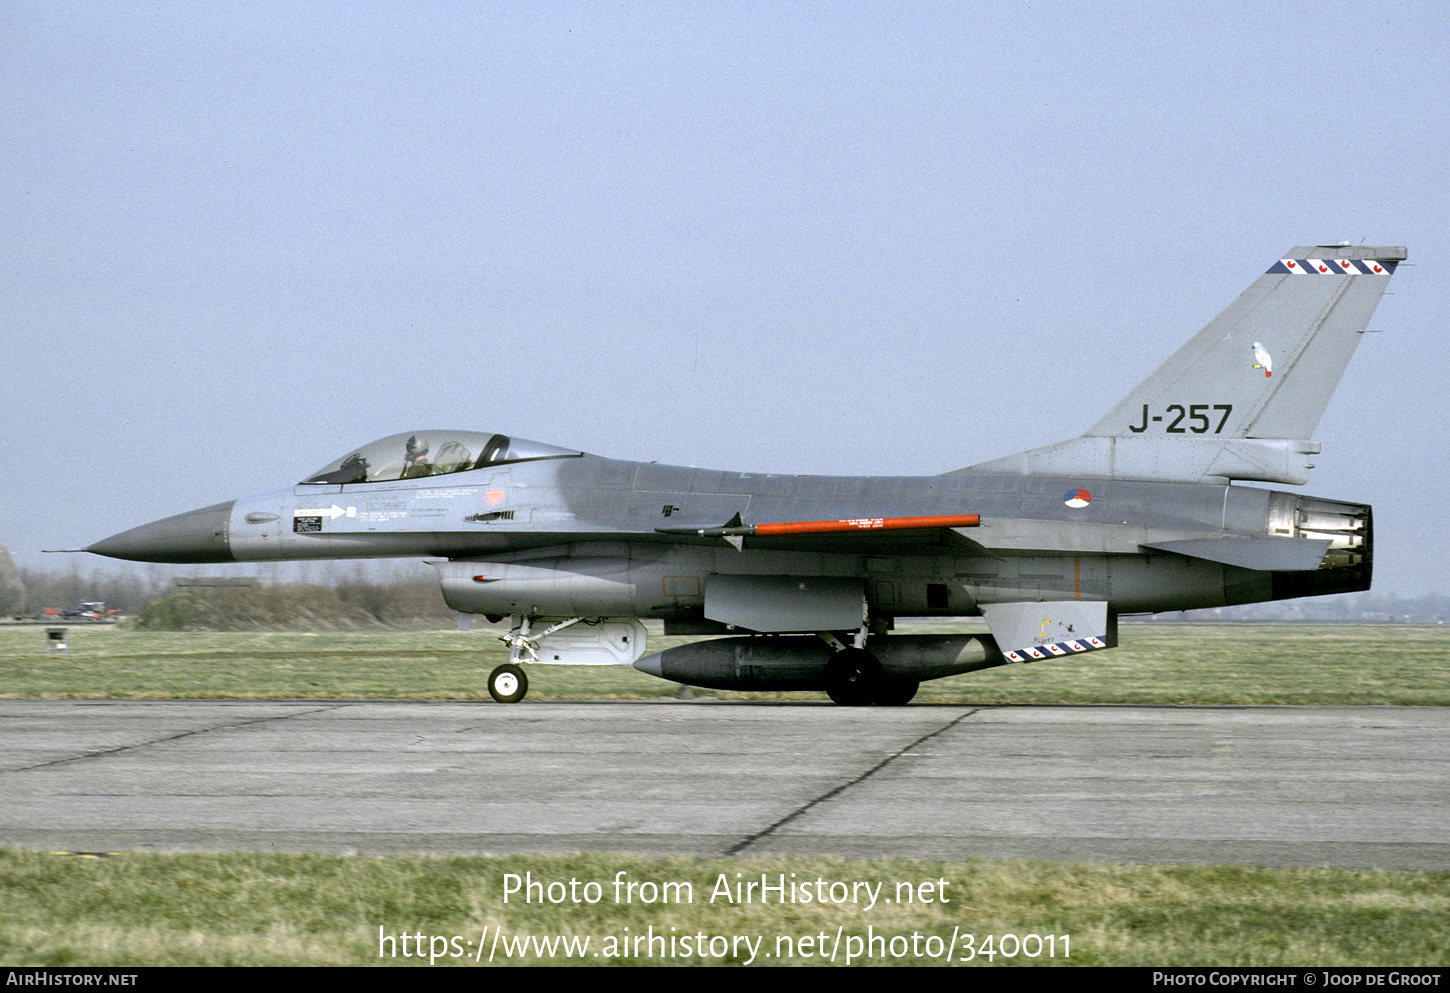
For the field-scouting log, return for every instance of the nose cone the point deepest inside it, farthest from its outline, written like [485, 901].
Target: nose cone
[196, 536]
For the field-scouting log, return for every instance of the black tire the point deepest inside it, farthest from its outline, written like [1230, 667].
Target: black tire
[852, 677]
[896, 692]
[507, 683]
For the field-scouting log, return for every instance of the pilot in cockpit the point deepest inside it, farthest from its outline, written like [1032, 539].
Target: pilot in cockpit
[415, 458]
[437, 453]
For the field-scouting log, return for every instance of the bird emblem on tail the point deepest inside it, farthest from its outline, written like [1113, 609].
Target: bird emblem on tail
[1263, 360]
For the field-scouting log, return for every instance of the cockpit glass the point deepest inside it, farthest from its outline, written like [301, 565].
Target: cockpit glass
[432, 453]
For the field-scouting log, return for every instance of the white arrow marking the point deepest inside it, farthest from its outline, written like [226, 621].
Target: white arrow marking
[331, 513]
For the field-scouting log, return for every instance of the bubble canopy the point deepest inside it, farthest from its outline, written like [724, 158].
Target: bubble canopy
[412, 454]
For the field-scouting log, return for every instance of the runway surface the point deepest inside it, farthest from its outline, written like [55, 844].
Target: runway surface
[1280, 786]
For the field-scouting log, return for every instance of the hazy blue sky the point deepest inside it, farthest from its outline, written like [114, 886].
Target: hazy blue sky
[838, 238]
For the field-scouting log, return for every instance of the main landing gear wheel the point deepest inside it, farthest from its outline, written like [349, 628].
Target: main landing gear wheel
[853, 676]
[896, 692]
[507, 683]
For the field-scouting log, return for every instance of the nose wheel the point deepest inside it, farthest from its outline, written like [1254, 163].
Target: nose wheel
[507, 683]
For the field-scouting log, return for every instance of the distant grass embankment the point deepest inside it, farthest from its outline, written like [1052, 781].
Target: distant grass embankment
[298, 607]
[1249, 664]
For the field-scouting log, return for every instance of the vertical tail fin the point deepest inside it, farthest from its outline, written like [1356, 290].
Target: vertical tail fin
[1242, 397]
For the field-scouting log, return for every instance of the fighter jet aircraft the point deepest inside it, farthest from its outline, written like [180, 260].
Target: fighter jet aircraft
[803, 577]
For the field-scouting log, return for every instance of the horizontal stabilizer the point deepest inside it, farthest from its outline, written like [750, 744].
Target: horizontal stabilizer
[1262, 554]
[1044, 630]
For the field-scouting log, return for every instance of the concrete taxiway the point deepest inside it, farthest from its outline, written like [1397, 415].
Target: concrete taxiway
[1282, 786]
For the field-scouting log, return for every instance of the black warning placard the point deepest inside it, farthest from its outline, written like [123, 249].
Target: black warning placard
[307, 525]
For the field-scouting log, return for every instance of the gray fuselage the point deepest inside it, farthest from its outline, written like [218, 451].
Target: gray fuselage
[578, 535]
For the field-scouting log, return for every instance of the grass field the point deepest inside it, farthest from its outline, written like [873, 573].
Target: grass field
[330, 910]
[1155, 664]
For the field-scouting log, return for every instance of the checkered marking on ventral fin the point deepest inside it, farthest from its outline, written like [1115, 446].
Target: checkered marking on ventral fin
[1049, 651]
[1332, 267]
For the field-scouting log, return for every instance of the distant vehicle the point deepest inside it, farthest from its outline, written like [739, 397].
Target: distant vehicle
[89, 610]
[1142, 513]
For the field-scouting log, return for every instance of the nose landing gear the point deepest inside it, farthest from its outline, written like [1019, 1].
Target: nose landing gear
[508, 683]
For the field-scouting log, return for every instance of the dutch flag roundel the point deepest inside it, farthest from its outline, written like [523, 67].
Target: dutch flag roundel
[1077, 498]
